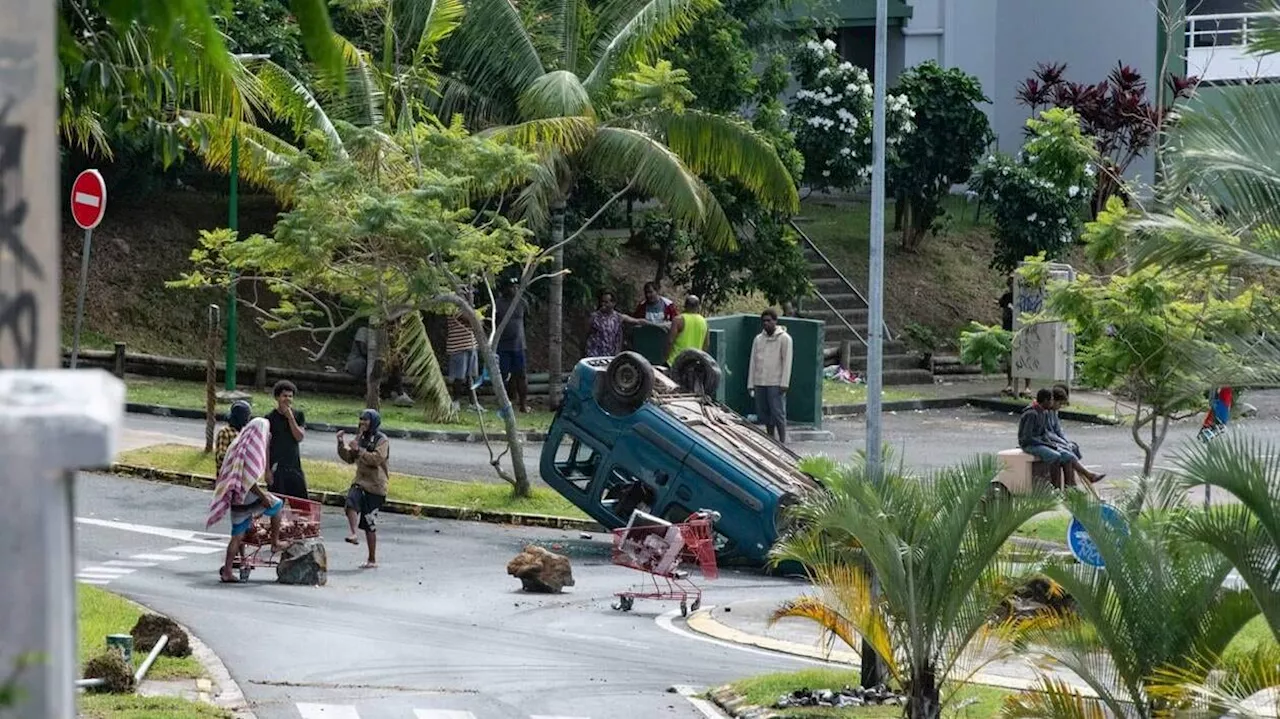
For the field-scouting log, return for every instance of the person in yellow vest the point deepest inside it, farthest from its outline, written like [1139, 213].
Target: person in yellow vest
[688, 330]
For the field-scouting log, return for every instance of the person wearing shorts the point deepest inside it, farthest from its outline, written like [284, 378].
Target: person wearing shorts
[1035, 439]
[238, 492]
[369, 452]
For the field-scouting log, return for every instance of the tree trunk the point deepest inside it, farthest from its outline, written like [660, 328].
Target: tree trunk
[899, 211]
[924, 700]
[373, 367]
[555, 329]
[520, 481]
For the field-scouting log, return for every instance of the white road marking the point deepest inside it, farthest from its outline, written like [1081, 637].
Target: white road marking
[182, 535]
[666, 621]
[442, 714]
[544, 716]
[108, 571]
[196, 549]
[159, 557]
[133, 565]
[92, 581]
[328, 711]
[704, 707]
[84, 198]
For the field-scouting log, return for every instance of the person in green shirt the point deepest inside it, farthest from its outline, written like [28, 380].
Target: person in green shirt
[688, 330]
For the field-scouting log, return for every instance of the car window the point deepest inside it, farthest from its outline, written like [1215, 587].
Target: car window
[623, 493]
[576, 461]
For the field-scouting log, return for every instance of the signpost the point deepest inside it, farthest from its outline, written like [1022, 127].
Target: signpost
[88, 205]
[1082, 545]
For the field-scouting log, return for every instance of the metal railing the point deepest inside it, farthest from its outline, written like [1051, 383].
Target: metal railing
[1224, 30]
[1217, 46]
[888, 336]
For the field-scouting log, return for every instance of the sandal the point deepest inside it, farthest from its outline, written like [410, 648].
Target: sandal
[369, 565]
[1097, 478]
[225, 578]
[353, 539]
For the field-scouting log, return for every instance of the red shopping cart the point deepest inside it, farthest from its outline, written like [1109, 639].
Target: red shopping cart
[660, 549]
[299, 519]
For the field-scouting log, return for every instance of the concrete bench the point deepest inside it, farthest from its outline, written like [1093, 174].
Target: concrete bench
[1019, 471]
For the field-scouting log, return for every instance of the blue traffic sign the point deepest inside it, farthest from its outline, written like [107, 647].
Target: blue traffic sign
[1082, 545]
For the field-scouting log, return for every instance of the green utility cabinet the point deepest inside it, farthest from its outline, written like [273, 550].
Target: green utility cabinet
[730, 345]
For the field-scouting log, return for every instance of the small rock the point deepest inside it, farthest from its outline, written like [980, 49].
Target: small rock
[540, 570]
[305, 563]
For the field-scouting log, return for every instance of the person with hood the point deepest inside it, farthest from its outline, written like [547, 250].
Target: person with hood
[237, 417]
[369, 452]
[239, 491]
[769, 375]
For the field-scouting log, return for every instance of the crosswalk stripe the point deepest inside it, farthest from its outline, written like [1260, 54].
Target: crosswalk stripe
[82, 580]
[328, 711]
[544, 716]
[109, 571]
[131, 565]
[159, 557]
[442, 714]
[197, 549]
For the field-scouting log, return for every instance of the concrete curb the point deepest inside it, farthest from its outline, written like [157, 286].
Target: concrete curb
[429, 435]
[703, 623]
[229, 696]
[736, 706]
[393, 506]
[996, 405]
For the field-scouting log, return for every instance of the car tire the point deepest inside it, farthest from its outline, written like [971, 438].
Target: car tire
[697, 372]
[627, 383]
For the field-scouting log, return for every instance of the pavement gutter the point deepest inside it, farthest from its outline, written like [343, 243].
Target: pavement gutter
[393, 506]
[996, 405]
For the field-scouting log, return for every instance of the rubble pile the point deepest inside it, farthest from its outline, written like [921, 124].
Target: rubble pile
[846, 697]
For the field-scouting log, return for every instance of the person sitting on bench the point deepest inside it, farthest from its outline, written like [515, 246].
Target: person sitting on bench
[1035, 439]
[1062, 398]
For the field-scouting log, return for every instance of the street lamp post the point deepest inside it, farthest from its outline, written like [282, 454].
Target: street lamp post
[233, 223]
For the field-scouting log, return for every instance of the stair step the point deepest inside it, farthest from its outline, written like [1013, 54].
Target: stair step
[831, 284]
[840, 300]
[889, 362]
[907, 376]
[896, 347]
[854, 316]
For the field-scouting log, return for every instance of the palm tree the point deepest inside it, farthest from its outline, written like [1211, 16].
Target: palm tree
[1159, 603]
[937, 549]
[543, 75]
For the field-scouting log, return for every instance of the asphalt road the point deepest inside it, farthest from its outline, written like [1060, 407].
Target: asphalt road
[924, 440]
[438, 628]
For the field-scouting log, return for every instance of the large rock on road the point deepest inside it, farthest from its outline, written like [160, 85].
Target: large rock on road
[540, 570]
[304, 562]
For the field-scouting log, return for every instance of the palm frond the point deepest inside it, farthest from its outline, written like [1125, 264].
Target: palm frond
[290, 100]
[562, 135]
[556, 94]
[421, 366]
[492, 48]
[719, 146]
[442, 18]
[1209, 687]
[262, 155]
[362, 99]
[1265, 38]
[1053, 699]
[568, 18]
[628, 31]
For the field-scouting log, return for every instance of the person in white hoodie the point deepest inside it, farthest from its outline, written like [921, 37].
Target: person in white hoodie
[770, 374]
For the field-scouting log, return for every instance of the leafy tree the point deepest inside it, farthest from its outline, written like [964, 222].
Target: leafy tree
[1038, 197]
[936, 549]
[1153, 335]
[950, 135]
[831, 118]
[546, 83]
[1118, 113]
[985, 346]
[1158, 603]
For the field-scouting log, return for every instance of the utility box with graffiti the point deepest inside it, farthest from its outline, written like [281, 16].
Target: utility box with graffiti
[1041, 350]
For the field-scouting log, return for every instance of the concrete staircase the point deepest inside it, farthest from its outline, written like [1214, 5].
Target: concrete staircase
[843, 312]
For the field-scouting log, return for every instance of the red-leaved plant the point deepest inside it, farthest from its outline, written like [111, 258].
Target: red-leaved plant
[1116, 112]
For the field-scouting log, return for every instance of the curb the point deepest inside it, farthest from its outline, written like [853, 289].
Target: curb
[429, 435]
[392, 506]
[996, 405]
[736, 706]
[229, 696]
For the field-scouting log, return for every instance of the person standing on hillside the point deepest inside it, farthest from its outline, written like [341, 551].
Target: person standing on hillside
[511, 345]
[369, 452]
[284, 458]
[688, 330]
[769, 374]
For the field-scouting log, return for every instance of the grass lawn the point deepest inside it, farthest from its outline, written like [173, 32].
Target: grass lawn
[100, 613]
[839, 393]
[329, 409]
[1048, 527]
[979, 702]
[336, 477]
[1254, 636]
[132, 706]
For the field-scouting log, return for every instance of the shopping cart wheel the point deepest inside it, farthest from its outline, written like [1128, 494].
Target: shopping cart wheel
[684, 609]
[697, 604]
[624, 604]
[244, 573]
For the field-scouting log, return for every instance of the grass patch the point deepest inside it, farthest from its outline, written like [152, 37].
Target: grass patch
[132, 706]
[329, 409]
[1048, 527]
[841, 393]
[1096, 410]
[764, 690]
[1255, 636]
[336, 477]
[100, 613]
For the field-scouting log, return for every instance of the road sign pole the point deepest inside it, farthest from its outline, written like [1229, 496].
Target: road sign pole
[233, 222]
[84, 282]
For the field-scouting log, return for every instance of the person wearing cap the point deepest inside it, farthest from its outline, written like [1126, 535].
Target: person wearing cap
[369, 452]
[237, 417]
[688, 330]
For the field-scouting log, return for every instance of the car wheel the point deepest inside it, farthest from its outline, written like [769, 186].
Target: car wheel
[697, 372]
[628, 382]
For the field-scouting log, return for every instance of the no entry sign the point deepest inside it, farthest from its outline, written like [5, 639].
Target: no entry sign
[88, 199]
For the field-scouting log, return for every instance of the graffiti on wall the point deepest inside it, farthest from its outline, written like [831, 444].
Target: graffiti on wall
[20, 270]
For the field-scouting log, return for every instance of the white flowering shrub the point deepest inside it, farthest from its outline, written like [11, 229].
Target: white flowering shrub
[1039, 198]
[831, 118]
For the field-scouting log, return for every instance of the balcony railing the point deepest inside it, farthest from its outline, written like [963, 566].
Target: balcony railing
[1218, 47]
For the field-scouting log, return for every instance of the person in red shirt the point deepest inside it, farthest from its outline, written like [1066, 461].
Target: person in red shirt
[655, 309]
